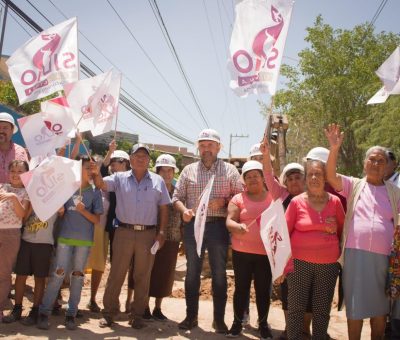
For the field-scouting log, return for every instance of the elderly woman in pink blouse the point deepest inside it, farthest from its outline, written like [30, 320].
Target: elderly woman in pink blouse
[372, 208]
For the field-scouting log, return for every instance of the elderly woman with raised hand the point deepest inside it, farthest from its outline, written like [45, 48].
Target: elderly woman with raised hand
[315, 220]
[372, 208]
[248, 253]
[291, 183]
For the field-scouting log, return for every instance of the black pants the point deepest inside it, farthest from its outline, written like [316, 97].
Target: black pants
[247, 266]
[320, 280]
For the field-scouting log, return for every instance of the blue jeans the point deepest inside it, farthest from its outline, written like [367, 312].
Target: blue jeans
[216, 240]
[69, 259]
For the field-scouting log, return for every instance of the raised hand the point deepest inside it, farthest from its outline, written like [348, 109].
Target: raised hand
[264, 146]
[334, 135]
[112, 146]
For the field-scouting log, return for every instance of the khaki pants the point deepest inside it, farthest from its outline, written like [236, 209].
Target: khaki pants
[9, 245]
[127, 243]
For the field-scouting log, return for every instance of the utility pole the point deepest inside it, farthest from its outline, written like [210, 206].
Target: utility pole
[230, 142]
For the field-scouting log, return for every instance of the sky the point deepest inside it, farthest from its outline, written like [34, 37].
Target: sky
[200, 31]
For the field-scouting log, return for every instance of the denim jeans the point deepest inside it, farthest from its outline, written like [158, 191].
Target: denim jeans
[216, 240]
[70, 259]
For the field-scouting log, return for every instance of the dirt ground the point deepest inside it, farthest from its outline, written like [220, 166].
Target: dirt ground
[173, 307]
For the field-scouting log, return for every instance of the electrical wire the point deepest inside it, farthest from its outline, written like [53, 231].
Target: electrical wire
[148, 57]
[117, 68]
[167, 37]
[126, 102]
[218, 62]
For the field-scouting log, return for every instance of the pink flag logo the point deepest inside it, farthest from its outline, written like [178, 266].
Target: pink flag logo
[43, 64]
[257, 43]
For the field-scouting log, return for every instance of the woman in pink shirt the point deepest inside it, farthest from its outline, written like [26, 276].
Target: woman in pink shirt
[248, 253]
[315, 220]
[372, 209]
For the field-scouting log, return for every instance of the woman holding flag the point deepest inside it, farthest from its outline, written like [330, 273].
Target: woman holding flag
[248, 253]
[315, 221]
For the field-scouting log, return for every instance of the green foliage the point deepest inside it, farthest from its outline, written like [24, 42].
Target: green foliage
[124, 145]
[9, 97]
[332, 83]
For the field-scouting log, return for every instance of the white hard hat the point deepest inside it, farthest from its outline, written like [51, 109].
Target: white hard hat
[166, 160]
[289, 169]
[120, 154]
[255, 150]
[251, 165]
[209, 134]
[318, 154]
[6, 117]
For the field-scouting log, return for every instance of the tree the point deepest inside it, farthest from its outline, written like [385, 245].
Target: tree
[332, 83]
[9, 97]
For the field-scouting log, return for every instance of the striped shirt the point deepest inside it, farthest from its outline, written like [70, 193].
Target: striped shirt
[194, 178]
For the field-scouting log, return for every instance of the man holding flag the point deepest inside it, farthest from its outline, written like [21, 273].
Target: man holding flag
[190, 190]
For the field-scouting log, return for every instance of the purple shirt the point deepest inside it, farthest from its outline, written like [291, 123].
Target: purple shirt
[371, 227]
[138, 202]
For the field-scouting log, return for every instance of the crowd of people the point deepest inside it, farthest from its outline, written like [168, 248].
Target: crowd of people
[339, 226]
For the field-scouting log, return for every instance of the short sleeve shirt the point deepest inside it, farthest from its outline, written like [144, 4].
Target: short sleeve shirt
[138, 202]
[37, 231]
[8, 217]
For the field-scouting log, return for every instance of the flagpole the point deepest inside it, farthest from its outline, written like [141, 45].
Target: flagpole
[86, 149]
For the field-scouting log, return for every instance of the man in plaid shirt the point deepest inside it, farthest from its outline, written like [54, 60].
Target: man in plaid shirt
[191, 183]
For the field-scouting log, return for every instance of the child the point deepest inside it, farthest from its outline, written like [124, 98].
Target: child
[34, 257]
[73, 246]
[14, 204]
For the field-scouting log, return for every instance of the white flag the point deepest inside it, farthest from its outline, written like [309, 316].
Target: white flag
[389, 74]
[58, 119]
[257, 44]
[201, 215]
[38, 138]
[94, 102]
[42, 65]
[275, 236]
[51, 184]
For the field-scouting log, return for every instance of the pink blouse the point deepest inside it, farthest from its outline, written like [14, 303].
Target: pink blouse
[314, 236]
[249, 242]
[371, 227]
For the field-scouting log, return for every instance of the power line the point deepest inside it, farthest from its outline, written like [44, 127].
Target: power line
[218, 61]
[148, 57]
[180, 122]
[133, 108]
[117, 68]
[160, 20]
[378, 12]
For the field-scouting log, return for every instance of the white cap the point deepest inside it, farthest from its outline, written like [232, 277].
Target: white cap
[120, 154]
[6, 117]
[209, 134]
[166, 160]
[318, 154]
[288, 169]
[251, 165]
[255, 150]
